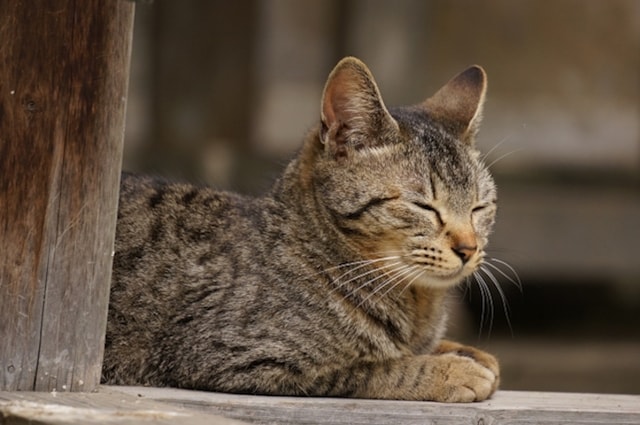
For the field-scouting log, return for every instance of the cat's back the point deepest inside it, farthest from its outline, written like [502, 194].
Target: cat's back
[175, 243]
[168, 232]
[153, 209]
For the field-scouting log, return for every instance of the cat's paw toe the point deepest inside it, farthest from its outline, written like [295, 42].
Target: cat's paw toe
[479, 356]
[466, 380]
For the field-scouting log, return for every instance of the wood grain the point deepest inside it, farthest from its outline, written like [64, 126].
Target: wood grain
[63, 82]
[124, 405]
[105, 406]
[506, 407]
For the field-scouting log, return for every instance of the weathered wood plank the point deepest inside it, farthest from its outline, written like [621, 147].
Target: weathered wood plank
[63, 81]
[106, 406]
[128, 405]
[506, 407]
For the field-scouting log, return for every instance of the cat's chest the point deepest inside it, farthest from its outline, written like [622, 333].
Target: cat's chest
[428, 317]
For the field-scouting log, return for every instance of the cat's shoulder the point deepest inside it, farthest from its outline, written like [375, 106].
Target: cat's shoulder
[142, 191]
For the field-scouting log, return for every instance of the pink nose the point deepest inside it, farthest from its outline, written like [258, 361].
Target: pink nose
[465, 252]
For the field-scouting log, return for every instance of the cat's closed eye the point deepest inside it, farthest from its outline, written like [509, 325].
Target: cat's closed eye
[428, 207]
[479, 208]
[483, 208]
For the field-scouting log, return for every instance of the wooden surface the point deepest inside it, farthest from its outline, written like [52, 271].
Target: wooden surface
[506, 407]
[63, 83]
[125, 405]
[105, 406]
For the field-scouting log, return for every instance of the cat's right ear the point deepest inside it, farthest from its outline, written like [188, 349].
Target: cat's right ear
[353, 113]
[458, 104]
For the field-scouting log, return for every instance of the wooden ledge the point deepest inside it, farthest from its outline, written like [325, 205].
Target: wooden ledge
[108, 405]
[129, 405]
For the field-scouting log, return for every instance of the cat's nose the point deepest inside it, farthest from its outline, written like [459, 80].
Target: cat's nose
[465, 252]
[463, 243]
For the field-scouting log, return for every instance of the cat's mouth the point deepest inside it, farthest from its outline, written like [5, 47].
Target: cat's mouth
[443, 281]
[445, 278]
[441, 266]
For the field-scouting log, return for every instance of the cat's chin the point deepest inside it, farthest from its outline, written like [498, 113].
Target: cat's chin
[441, 282]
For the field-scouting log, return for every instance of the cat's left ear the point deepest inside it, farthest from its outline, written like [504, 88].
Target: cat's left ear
[458, 104]
[353, 113]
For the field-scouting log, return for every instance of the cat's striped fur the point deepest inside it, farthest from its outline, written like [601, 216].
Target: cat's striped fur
[332, 284]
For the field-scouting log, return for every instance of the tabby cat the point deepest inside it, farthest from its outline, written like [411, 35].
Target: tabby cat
[332, 284]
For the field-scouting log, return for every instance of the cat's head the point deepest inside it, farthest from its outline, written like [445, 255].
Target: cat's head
[405, 184]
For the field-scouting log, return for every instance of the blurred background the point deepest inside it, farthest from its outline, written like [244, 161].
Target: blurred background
[223, 92]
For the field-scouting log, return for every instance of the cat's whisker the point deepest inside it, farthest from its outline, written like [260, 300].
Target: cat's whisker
[394, 275]
[398, 278]
[487, 302]
[511, 280]
[515, 279]
[359, 263]
[361, 266]
[482, 303]
[496, 146]
[505, 304]
[419, 273]
[367, 273]
[503, 156]
[392, 252]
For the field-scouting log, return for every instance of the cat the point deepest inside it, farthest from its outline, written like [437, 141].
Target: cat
[335, 282]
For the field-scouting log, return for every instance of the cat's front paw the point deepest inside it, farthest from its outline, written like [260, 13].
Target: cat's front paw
[453, 374]
[469, 374]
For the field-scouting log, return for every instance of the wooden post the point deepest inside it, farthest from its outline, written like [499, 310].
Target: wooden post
[63, 82]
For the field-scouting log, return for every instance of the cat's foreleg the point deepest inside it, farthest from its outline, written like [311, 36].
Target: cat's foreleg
[482, 357]
[454, 373]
